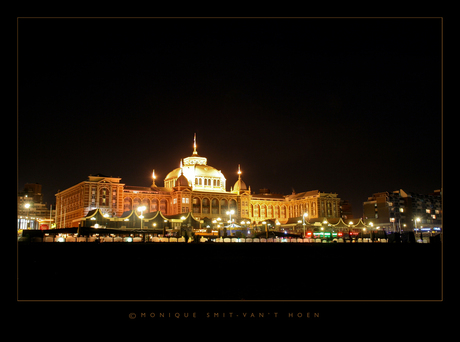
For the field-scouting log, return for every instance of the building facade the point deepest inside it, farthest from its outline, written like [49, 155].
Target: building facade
[404, 211]
[194, 187]
[32, 212]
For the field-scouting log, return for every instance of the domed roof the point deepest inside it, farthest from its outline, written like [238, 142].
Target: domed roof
[199, 171]
[182, 181]
[239, 185]
[206, 170]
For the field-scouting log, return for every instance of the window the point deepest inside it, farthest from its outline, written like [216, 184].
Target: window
[185, 200]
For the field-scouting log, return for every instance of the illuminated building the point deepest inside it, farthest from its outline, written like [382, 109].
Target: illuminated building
[32, 212]
[397, 210]
[194, 187]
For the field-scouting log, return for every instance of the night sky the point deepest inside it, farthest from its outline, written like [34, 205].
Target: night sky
[351, 106]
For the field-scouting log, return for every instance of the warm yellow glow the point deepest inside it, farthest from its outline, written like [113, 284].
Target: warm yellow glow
[153, 174]
[141, 208]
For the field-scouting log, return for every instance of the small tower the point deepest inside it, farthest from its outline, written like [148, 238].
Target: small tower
[195, 153]
[153, 179]
[239, 185]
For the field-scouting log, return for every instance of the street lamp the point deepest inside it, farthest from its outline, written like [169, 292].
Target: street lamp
[27, 206]
[141, 209]
[418, 220]
[304, 216]
[230, 213]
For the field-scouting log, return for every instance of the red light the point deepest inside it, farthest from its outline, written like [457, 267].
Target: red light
[339, 234]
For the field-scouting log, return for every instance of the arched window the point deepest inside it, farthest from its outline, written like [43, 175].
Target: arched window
[215, 206]
[127, 204]
[263, 210]
[233, 206]
[103, 197]
[205, 205]
[223, 206]
[196, 205]
[146, 203]
[136, 203]
[164, 206]
[154, 205]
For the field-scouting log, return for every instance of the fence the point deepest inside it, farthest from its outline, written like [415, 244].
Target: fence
[201, 240]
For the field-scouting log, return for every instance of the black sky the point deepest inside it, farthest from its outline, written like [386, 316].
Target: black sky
[351, 106]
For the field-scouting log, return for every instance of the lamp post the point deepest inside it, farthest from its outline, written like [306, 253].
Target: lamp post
[218, 225]
[230, 213]
[418, 220]
[372, 231]
[27, 206]
[182, 225]
[304, 216]
[142, 209]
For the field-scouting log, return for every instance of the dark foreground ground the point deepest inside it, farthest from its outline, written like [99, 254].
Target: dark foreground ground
[110, 271]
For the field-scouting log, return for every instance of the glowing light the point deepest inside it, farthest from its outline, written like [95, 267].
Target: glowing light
[153, 174]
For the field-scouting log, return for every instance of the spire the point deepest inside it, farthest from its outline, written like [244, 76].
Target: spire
[153, 177]
[239, 172]
[194, 145]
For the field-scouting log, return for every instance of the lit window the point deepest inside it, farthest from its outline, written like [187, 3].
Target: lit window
[401, 210]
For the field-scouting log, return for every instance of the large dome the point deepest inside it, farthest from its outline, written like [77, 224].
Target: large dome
[201, 177]
[198, 171]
